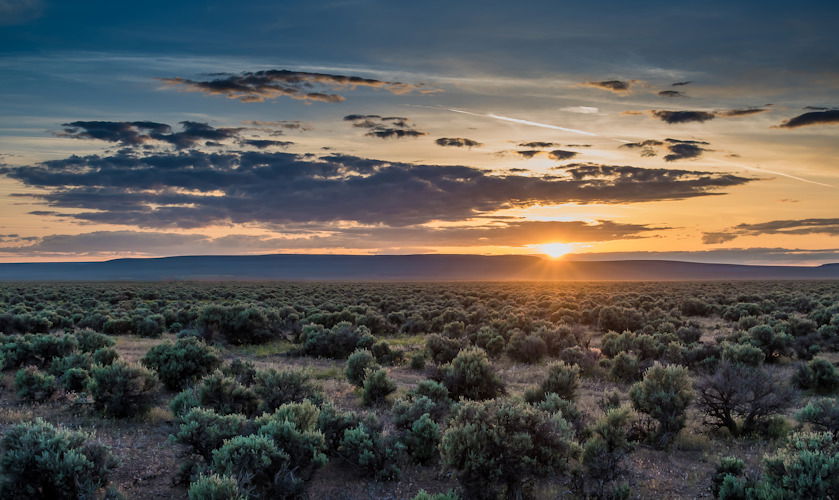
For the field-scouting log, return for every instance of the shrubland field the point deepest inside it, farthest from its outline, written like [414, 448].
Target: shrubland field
[428, 391]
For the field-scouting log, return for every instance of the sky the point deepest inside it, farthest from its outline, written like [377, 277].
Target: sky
[700, 131]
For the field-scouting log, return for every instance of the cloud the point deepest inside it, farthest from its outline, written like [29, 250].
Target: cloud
[827, 117]
[258, 86]
[385, 127]
[538, 144]
[280, 124]
[583, 110]
[678, 149]
[19, 11]
[139, 133]
[518, 234]
[560, 154]
[528, 153]
[682, 116]
[680, 84]
[266, 143]
[617, 86]
[674, 117]
[671, 93]
[194, 189]
[759, 255]
[828, 227]
[458, 142]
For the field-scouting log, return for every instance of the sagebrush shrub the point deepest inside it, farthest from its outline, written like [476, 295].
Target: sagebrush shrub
[822, 414]
[215, 487]
[205, 431]
[728, 466]
[498, 444]
[39, 460]
[332, 422]
[74, 380]
[424, 495]
[664, 394]
[182, 363]
[526, 348]
[337, 342]
[105, 356]
[470, 375]
[303, 443]
[819, 375]
[370, 453]
[121, 389]
[184, 401]
[807, 467]
[625, 367]
[357, 365]
[605, 449]
[91, 341]
[745, 354]
[276, 388]
[32, 384]
[422, 439]
[442, 349]
[225, 395]
[377, 386]
[259, 464]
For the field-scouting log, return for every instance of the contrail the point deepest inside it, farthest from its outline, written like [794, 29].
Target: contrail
[523, 122]
[591, 134]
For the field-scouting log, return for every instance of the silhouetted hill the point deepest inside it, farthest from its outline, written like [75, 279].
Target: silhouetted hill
[399, 267]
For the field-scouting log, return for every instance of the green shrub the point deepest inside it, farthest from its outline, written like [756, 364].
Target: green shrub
[276, 388]
[39, 460]
[184, 401]
[745, 354]
[74, 380]
[304, 444]
[773, 344]
[822, 414]
[819, 375]
[32, 384]
[470, 375]
[304, 415]
[60, 365]
[260, 466]
[243, 371]
[605, 449]
[807, 467]
[122, 390]
[105, 356]
[441, 349]
[370, 453]
[424, 495]
[357, 365]
[422, 439]
[238, 325]
[499, 444]
[526, 348]
[225, 395]
[91, 341]
[552, 403]
[385, 355]
[563, 380]
[728, 466]
[417, 361]
[182, 363]
[377, 386]
[336, 343]
[215, 487]
[204, 430]
[664, 394]
[332, 423]
[625, 368]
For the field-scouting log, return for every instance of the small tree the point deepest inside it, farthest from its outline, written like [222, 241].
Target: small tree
[496, 445]
[664, 394]
[741, 398]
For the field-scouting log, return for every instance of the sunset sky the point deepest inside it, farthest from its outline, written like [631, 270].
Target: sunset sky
[701, 131]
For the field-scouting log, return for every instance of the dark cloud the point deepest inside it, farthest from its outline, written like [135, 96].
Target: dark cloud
[385, 127]
[740, 112]
[538, 144]
[458, 142]
[528, 153]
[560, 154]
[258, 86]
[682, 116]
[266, 143]
[132, 134]
[812, 118]
[278, 125]
[677, 149]
[680, 84]
[617, 86]
[671, 93]
[578, 145]
[19, 11]
[194, 189]
[829, 227]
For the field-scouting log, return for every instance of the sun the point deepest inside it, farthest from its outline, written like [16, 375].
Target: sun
[554, 250]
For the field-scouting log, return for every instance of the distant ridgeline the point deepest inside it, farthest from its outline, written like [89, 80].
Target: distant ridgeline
[399, 267]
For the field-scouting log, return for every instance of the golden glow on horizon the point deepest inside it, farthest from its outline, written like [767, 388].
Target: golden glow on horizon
[555, 250]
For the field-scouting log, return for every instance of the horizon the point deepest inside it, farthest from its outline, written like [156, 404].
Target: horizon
[658, 132]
